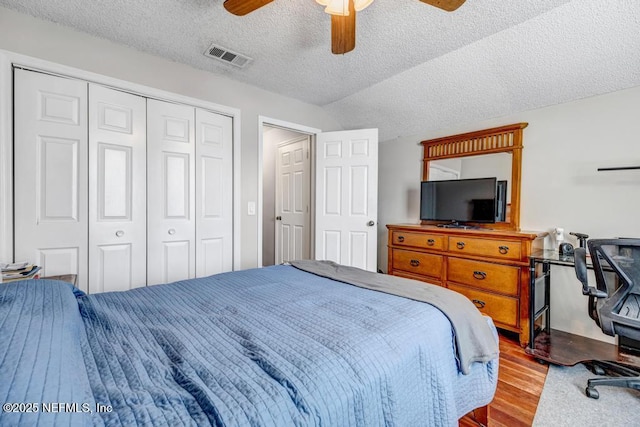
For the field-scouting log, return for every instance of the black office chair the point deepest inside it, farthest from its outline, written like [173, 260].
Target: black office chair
[614, 304]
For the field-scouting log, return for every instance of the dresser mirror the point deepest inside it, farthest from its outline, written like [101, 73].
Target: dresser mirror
[495, 152]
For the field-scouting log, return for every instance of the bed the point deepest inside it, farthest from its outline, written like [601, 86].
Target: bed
[278, 346]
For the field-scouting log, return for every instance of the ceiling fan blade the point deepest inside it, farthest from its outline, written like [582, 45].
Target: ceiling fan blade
[242, 7]
[448, 5]
[343, 32]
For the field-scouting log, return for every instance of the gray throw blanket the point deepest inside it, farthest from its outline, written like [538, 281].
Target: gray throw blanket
[475, 341]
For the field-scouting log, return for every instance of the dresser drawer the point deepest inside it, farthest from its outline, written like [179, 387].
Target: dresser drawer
[500, 249]
[407, 275]
[420, 240]
[500, 308]
[484, 275]
[418, 263]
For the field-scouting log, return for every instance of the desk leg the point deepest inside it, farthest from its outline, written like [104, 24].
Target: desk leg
[532, 301]
[533, 314]
[546, 270]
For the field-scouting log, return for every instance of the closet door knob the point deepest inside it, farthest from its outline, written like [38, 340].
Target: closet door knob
[119, 233]
[172, 231]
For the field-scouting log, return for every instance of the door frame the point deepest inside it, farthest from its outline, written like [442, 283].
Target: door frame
[295, 127]
[9, 60]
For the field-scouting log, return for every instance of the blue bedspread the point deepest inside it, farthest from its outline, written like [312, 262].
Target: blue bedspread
[264, 347]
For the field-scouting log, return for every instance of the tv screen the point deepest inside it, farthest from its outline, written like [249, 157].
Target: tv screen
[459, 200]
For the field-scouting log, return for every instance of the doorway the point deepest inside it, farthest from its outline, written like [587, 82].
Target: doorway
[275, 135]
[342, 193]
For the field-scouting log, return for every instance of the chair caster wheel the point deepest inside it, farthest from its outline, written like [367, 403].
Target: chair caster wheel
[592, 392]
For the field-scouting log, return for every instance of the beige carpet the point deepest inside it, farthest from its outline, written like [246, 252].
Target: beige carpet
[563, 401]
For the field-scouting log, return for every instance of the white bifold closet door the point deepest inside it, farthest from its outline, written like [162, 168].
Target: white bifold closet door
[50, 170]
[190, 200]
[171, 221]
[117, 190]
[214, 189]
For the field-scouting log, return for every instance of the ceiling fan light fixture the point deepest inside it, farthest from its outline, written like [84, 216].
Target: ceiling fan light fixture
[341, 7]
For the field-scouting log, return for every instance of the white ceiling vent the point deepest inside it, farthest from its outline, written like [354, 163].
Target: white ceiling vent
[227, 56]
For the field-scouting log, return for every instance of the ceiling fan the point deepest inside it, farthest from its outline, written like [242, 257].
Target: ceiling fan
[343, 16]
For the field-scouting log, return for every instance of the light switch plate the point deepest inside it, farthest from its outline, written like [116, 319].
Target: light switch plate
[251, 208]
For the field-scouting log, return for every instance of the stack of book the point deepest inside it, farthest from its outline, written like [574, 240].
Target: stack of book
[19, 271]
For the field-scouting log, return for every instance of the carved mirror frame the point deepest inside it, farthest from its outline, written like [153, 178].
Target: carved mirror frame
[503, 139]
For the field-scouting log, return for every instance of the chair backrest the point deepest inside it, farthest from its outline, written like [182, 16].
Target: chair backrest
[616, 264]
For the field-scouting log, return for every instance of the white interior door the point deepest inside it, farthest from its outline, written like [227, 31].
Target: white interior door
[50, 157]
[117, 190]
[170, 192]
[442, 173]
[292, 201]
[214, 193]
[347, 197]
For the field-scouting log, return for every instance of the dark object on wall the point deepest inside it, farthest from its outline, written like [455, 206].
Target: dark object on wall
[613, 304]
[620, 168]
[565, 249]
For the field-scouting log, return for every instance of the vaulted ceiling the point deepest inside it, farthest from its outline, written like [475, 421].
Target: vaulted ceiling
[415, 68]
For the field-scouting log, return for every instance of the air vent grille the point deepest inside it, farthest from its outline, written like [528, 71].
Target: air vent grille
[227, 56]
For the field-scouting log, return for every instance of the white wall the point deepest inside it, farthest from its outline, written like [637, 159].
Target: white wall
[33, 37]
[564, 145]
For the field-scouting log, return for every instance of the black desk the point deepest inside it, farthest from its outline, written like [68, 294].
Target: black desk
[539, 297]
[559, 347]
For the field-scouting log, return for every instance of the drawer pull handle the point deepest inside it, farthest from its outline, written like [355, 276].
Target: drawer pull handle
[478, 303]
[460, 245]
[480, 275]
[400, 239]
[414, 262]
[431, 242]
[503, 249]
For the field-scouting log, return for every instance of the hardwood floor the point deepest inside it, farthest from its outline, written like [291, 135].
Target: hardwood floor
[520, 382]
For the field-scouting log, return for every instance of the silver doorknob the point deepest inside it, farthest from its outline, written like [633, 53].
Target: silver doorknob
[172, 231]
[119, 233]
[371, 223]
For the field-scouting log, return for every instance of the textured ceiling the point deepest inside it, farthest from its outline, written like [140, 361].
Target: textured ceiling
[415, 68]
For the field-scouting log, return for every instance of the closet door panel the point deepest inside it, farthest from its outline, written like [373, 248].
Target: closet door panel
[171, 192]
[214, 189]
[50, 189]
[117, 190]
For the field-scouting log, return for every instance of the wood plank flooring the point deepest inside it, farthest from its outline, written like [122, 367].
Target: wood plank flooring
[520, 382]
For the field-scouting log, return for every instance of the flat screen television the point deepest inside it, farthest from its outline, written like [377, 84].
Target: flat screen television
[459, 200]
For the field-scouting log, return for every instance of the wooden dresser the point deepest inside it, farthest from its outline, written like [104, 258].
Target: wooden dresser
[490, 267]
